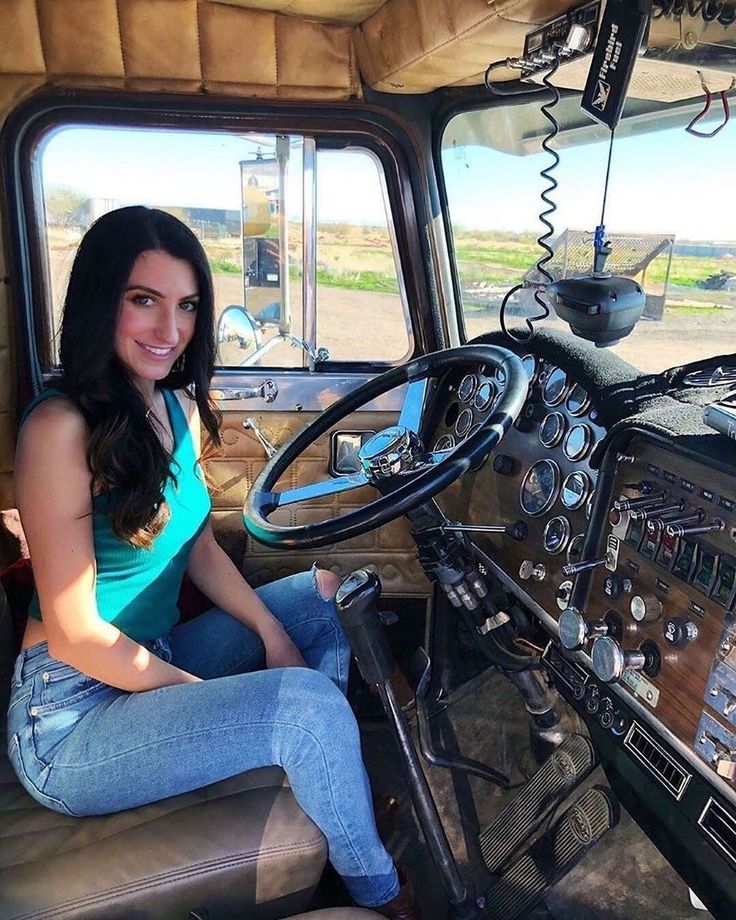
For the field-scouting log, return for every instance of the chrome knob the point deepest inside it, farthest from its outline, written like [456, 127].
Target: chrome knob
[528, 570]
[610, 660]
[575, 630]
[645, 609]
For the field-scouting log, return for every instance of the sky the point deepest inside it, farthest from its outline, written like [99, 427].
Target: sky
[668, 182]
[187, 169]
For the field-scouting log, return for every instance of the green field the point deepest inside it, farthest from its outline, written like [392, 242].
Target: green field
[360, 258]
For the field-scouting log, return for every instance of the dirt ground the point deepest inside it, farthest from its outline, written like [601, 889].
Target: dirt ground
[653, 346]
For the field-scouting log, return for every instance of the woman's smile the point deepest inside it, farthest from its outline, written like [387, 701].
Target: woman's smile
[157, 352]
[158, 316]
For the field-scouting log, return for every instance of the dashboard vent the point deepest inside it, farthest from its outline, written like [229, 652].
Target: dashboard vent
[711, 377]
[720, 827]
[665, 769]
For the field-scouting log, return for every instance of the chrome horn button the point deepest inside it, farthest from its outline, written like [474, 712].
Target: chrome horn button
[391, 451]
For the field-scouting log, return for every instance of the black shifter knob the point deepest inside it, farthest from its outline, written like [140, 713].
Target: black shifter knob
[355, 601]
[359, 588]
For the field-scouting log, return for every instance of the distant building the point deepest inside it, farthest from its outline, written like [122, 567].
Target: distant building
[706, 250]
[212, 222]
[88, 212]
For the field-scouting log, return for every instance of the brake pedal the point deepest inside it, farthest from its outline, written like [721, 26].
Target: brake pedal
[561, 772]
[551, 857]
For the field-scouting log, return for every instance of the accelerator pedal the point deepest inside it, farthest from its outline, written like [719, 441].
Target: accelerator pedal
[561, 772]
[553, 855]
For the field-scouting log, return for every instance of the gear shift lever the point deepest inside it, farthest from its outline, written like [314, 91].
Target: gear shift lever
[356, 607]
[355, 601]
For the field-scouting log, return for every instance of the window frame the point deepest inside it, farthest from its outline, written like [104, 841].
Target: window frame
[331, 125]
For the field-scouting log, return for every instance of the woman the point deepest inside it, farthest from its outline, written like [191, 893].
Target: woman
[113, 704]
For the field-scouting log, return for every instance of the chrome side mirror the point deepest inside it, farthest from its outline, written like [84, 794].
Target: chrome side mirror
[238, 336]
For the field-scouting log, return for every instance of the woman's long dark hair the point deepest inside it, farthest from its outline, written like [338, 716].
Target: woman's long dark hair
[124, 452]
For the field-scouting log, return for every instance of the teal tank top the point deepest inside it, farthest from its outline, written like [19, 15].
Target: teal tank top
[137, 589]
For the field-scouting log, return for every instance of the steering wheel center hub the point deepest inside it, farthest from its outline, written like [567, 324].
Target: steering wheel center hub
[391, 451]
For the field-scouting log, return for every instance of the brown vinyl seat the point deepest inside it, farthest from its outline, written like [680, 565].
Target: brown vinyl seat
[241, 847]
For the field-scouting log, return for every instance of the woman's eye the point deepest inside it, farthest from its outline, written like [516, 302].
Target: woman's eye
[189, 306]
[142, 300]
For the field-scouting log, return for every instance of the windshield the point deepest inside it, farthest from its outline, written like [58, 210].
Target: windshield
[670, 216]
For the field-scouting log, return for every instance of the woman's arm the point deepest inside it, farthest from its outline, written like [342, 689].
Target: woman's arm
[214, 573]
[53, 490]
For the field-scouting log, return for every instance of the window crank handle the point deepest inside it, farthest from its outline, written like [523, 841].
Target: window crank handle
[250, 424]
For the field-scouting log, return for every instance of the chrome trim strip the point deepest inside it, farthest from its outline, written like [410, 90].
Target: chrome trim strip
[692, 760]
[629, 745]
[729, 819]
[302, 392]
[309, 246]
[395, 249]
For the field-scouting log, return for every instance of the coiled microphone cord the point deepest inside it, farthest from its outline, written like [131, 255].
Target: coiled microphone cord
[544, 215]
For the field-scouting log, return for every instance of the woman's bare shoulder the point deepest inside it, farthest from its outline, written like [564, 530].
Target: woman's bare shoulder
[57, 424]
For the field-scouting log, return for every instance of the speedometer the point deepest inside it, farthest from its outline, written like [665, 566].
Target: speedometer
[539, 487]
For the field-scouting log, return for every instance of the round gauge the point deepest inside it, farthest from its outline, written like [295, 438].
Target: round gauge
[463, 423]
[578, 402]
[552, 429]
[446, 442]
[539, 487]
[485, 396]
[577, 442]
[589, 505]
[530, 366]
[499, 377]
[575, 490]
[556, 535]
[468, 386]
[575, 549]
[555, 387]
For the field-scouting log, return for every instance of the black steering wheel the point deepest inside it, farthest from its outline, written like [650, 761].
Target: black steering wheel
[393, 460]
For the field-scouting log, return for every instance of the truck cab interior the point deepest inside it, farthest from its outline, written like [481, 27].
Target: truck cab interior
[475, 351]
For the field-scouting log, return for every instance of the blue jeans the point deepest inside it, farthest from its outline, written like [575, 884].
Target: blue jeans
[82, 747]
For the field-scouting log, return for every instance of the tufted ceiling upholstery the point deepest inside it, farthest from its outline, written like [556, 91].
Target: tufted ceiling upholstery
[350, 12]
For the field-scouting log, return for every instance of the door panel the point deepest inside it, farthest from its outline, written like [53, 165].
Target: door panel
[390, 549]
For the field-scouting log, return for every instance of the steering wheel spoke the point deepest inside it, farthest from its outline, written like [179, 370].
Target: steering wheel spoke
[413, 409]
[274, 500]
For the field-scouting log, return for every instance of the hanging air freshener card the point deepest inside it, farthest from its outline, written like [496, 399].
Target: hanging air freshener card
[619, 40]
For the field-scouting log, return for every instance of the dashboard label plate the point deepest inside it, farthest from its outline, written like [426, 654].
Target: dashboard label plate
[641, 687]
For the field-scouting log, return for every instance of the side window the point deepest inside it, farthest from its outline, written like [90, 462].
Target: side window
[300, 240]
[357, 271]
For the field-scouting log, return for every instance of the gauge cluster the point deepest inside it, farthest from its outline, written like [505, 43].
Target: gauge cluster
[558, 486]
[471, 400]
[539, 481]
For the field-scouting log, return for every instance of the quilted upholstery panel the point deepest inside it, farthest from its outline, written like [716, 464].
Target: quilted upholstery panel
[348, 11]
[390, 549]
[218, 47]
[416, 46]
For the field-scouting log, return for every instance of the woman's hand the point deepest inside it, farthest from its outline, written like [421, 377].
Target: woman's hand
[280, 650]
